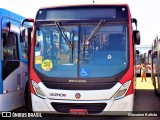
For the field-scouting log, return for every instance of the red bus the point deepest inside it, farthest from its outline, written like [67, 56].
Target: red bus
[82, 59]
[145, 58]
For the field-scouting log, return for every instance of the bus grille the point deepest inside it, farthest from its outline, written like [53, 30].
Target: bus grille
[92, 108]
[79, 86]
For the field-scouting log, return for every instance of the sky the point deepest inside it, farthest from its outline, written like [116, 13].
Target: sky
[145, 11]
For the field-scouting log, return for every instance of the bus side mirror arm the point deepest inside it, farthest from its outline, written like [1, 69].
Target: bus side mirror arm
[134, 21]
[22, 29]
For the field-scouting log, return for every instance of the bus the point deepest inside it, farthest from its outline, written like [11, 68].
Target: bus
[145, 58]
[138, 65]
[13, 63]
[143, 48]
[82, 59]
[155, 74]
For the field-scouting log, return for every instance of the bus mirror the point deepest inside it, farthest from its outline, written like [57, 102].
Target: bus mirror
[23, 30]
[136, 37]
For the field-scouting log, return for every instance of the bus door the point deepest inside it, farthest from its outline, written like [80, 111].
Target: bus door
[24, 56]
[25, 42]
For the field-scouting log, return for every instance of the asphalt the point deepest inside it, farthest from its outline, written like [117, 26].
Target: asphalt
[146, 100]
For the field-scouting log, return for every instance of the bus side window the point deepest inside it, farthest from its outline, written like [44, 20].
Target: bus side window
[4, 36]
[10, 49]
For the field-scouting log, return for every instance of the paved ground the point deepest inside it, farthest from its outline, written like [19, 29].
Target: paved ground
[145, 96]
[144, 85]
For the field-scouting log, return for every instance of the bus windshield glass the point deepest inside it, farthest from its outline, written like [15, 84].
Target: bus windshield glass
[61, 52]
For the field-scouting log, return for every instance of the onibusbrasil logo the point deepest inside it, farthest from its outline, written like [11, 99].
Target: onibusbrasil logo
[14, 114]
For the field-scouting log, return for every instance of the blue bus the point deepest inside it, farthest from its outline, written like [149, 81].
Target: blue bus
[13, 63]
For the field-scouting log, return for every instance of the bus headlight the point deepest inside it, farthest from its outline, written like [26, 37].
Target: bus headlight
[122, 91]
[39, 92]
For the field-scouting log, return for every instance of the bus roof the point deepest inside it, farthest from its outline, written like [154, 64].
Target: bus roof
[81, 5]
[90, 11]
[7, 13]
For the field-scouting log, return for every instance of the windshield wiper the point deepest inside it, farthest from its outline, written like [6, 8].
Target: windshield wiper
[94, 32]
[63, 34]
[72, 45]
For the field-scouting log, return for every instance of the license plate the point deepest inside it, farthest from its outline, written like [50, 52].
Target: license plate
[78, 112]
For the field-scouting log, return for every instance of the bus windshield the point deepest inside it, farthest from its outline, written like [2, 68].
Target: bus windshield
[61, 51]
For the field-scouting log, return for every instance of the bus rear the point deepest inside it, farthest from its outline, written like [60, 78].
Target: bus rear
[82, 59]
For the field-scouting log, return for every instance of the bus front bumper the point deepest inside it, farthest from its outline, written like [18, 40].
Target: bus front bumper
[121, 106]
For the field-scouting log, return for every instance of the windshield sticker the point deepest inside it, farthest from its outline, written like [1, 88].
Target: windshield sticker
[38, 60]
[38, 38]
[37, 53]
[47, 65]
[84, 72]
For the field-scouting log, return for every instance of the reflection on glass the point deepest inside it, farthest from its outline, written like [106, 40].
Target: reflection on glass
[104, 56]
